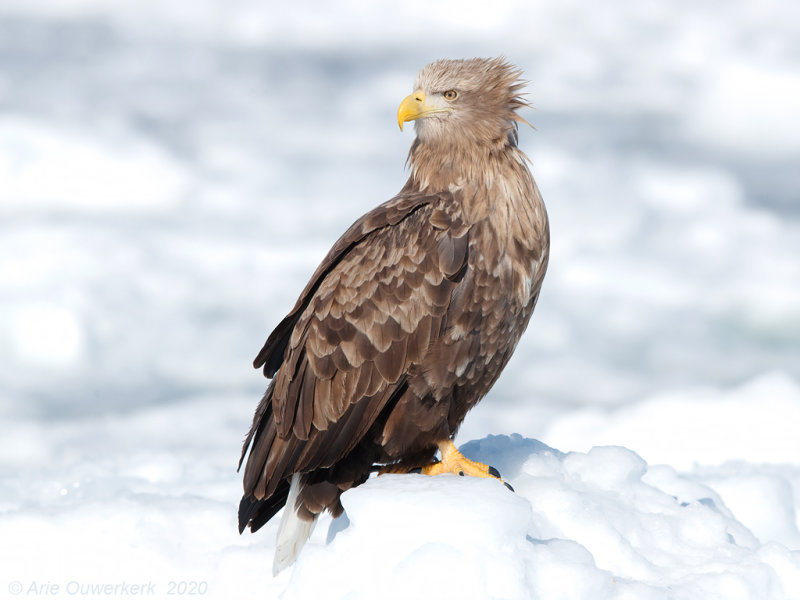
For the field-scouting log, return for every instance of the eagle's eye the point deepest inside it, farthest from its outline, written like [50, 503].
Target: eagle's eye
[450, 95]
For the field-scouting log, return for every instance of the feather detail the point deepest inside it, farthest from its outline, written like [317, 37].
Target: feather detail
[293, 531]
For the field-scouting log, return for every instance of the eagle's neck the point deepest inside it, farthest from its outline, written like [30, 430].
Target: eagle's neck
[438, 164]
[497, 195]
[483, 171]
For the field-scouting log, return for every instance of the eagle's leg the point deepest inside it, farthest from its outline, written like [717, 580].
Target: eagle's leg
[456, 463]
[400, 467]
[452, 462]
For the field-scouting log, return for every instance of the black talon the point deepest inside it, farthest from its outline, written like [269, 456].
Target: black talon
[461, 473]
[508, 485]
[494, 472]
[417, 470]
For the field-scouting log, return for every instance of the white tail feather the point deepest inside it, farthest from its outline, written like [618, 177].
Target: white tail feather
[293, 531]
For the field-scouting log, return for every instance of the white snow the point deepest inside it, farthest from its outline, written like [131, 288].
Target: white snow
[756, 422]
[601, 524]
[45, 167]
[172, 172]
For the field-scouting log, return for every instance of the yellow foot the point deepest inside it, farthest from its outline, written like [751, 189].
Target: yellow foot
[458, 464]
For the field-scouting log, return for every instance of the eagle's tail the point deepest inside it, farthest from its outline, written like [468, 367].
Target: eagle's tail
[294, 531]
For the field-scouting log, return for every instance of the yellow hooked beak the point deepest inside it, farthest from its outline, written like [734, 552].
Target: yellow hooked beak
[414, 106]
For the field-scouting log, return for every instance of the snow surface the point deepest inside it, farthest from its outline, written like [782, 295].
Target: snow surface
[172, 172]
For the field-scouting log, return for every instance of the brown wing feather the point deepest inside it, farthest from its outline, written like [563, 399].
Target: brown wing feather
[271, 355]
[370, 312]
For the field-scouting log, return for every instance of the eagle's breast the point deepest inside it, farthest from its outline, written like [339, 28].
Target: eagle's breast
[492, 304]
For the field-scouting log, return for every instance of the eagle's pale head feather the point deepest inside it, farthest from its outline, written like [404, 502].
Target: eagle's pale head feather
[464, 111]
[471, 101]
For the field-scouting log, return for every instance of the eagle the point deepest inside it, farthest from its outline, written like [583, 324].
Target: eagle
[411, 316]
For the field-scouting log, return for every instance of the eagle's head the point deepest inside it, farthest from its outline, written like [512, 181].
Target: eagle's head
[473, 101]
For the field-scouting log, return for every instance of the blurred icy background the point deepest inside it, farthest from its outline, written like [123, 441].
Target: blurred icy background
[172, 172]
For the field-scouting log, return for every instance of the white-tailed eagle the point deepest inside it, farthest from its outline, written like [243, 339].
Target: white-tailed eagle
[410, 318]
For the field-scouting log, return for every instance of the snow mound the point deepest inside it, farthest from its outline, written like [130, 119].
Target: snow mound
[149, 498]
[580, 525]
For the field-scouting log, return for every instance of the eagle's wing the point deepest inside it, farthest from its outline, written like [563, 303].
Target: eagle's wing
[370, 312]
